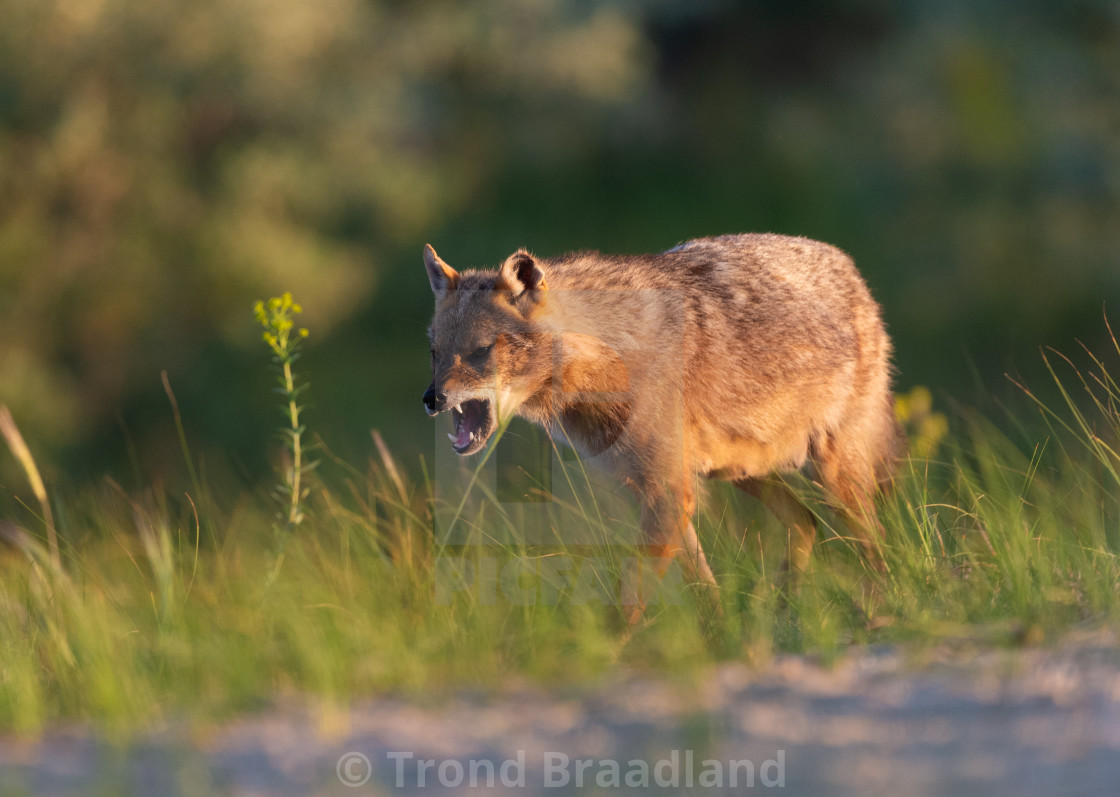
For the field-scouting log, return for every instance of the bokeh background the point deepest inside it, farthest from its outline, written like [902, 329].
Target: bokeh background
[163, 164]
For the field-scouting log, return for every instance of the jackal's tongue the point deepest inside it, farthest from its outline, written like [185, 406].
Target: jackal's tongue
[462, 434]
[467, 423]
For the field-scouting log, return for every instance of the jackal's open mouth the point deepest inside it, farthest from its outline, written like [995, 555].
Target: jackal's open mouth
[474, 423]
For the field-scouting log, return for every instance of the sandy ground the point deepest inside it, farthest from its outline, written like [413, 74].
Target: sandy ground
[958, 722]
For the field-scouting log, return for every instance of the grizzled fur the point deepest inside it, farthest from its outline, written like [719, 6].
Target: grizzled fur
[734, 357]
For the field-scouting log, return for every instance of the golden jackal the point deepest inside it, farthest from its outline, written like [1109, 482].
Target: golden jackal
[733, 357]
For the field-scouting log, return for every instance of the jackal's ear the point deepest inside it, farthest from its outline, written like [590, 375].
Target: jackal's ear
[442, 276]
[521, 273]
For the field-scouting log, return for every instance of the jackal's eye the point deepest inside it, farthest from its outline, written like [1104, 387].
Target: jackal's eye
[480, 354]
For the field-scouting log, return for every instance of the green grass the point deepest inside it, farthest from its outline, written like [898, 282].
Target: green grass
[167, 607]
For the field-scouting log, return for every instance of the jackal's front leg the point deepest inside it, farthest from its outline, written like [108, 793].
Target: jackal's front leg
[667, 536]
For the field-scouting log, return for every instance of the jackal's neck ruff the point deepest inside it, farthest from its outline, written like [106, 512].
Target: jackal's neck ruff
[587, 406]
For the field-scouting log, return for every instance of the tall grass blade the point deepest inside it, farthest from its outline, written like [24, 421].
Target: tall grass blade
[390, 465]
[196, 485]
[23, 455]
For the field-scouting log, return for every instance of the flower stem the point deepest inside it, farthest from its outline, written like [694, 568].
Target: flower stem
[294, 515]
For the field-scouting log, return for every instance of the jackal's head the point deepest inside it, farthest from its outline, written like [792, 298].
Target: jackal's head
[488, 356]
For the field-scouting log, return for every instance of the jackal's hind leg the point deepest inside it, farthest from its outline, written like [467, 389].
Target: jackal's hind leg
[801, 526]
[849, 476]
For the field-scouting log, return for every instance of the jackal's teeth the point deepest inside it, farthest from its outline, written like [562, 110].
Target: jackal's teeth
[451, 437]
[458, 408]
[472, 435]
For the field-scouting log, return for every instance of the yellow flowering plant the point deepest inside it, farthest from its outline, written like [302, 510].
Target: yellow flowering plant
[924, 427]
[277, 316]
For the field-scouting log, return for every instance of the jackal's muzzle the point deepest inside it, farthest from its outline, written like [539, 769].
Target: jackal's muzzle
[475, 419]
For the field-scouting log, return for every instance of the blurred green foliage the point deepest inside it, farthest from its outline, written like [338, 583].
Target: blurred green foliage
[162, 163]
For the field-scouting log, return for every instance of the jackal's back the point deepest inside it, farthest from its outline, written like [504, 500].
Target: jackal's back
[773, 342]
